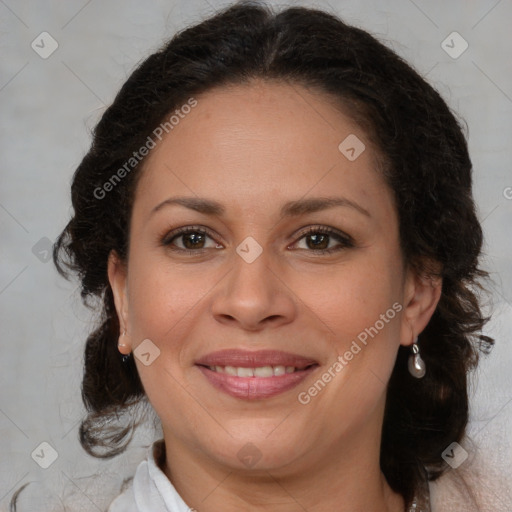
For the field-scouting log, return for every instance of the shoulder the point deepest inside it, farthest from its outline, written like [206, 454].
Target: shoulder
[452, 492]
[125, 502]
[475, 488]
[150, 490]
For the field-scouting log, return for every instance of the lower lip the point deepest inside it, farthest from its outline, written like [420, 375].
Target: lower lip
[255, 388]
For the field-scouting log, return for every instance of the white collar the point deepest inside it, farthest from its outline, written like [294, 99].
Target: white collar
[150, 490]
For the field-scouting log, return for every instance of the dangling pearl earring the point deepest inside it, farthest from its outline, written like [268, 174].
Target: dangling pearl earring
[416, 364]
[119, 345]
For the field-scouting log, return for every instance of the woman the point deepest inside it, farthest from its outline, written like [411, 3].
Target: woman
[277, 213]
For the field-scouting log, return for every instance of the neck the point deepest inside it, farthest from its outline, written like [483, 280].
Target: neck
[345, 477]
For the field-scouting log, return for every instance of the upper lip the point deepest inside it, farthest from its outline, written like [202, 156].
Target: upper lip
[254, 359]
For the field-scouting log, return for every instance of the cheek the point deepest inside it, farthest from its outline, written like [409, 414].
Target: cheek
[161, 309]
[352, 297]
[159, 297]
[360, 302]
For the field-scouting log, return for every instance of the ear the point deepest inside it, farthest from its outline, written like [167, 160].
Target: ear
[118, 283]
[421, 296]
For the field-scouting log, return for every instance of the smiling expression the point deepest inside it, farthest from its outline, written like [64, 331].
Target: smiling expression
[290, 251]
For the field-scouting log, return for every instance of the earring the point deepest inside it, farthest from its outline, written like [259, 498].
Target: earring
[416, 364]
[122, 345]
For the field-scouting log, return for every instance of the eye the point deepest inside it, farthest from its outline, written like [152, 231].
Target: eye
[193, 239]
[319, 239]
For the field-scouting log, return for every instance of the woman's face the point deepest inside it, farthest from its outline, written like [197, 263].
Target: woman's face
[311, 293]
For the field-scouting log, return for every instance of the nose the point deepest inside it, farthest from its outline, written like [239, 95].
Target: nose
[253, 296]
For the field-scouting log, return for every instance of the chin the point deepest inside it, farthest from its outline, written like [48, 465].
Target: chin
[256, 453]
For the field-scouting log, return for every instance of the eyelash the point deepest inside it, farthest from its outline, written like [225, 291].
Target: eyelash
[344, 240]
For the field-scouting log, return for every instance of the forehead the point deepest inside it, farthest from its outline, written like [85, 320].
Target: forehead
[251, 144]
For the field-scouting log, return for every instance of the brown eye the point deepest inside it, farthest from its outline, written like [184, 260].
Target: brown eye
[193, 240]
[189, 239]
[317, 241]
[320, 239]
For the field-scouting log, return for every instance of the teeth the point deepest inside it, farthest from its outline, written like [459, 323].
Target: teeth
[279, 370]
[245, 372]
[264, 371]
[230, 370]
[261, 371]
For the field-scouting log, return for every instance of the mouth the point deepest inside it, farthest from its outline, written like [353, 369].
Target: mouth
[255, 374]
[260, 371]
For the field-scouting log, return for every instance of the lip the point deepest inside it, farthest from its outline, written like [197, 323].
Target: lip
[255, 388]
[254, 359]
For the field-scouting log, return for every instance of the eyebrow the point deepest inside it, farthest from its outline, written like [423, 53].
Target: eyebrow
[289, 209]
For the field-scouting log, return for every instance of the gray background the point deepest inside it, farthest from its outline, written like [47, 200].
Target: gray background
[48, 106]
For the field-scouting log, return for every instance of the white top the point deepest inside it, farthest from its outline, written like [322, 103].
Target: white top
[150, 490]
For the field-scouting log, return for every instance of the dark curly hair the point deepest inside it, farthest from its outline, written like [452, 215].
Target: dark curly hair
[422, 154]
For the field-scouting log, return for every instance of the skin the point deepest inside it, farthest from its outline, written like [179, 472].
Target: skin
[252, 148]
